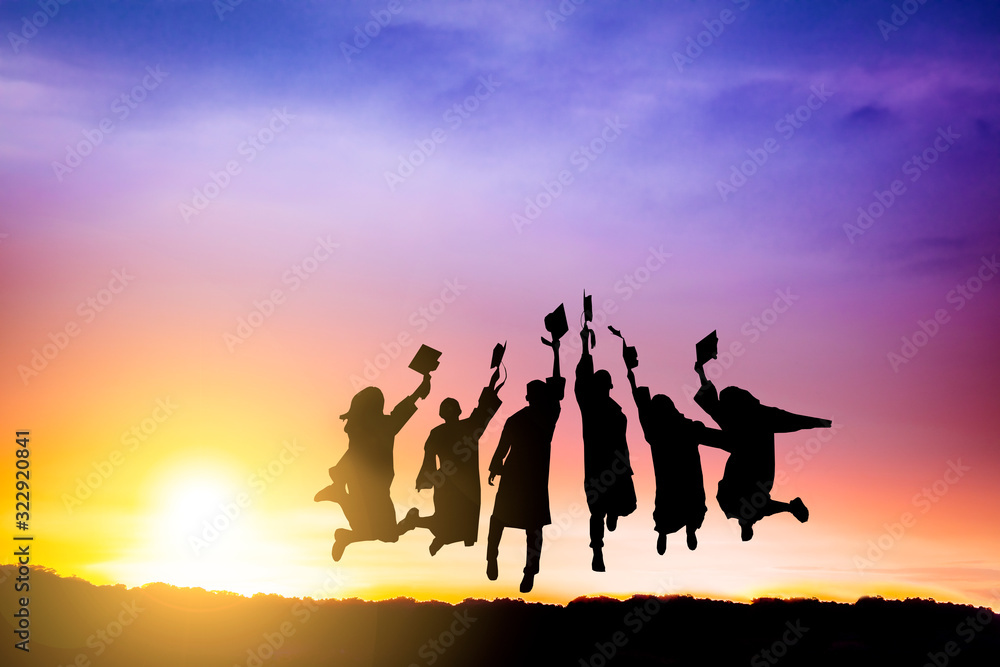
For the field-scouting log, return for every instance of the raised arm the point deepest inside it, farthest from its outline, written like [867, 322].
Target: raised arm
[406, 407]
[631, 380]
[707, 397]
[489, 403]
[586, 366]
[584, 370]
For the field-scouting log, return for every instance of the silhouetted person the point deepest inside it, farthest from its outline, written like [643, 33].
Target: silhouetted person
[673, 441]
[366, 469]
[522, 462]
[745, 489]
[451, 468]
[607, 468]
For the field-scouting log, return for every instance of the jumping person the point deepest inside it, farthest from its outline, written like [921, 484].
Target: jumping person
[362, 477]
[745, 489]
[451, 468]
[522, 463]
[607, 468]
[673, 442]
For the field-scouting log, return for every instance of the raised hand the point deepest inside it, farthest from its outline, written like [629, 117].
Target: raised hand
[425, 387]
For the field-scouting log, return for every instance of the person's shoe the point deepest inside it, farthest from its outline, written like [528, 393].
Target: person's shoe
[612, 522]
[661, 543]
[598, 563]
[435, 546]
[339, 543]
[692, 539]
[491, 569]
[799, 510]
[331, 493]
[528, 582]
[409, 521]
[746, 534]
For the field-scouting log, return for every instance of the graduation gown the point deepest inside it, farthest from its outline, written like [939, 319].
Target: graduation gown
[451, 468]
[749, 475]
[607, 468]
[680, 484]
[522, 461]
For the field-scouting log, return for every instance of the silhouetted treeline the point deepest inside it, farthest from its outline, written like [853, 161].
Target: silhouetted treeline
[165, 625]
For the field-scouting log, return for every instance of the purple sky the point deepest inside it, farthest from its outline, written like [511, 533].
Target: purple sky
[550, 152]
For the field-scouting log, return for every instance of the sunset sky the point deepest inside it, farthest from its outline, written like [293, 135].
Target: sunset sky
[219, 220]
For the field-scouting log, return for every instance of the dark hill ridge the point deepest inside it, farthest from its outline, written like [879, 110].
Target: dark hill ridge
[76, 623]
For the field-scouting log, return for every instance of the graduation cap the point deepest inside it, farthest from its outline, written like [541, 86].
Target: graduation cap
[555, 324]
[498, 355]
[496, 362]
[588, 316]
[707, 348]
[425, 360]
[629, 353]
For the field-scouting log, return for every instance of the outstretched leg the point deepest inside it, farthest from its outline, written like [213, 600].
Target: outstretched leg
[796, 508]
[334, 493]
[661, 543]
[414, 520]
